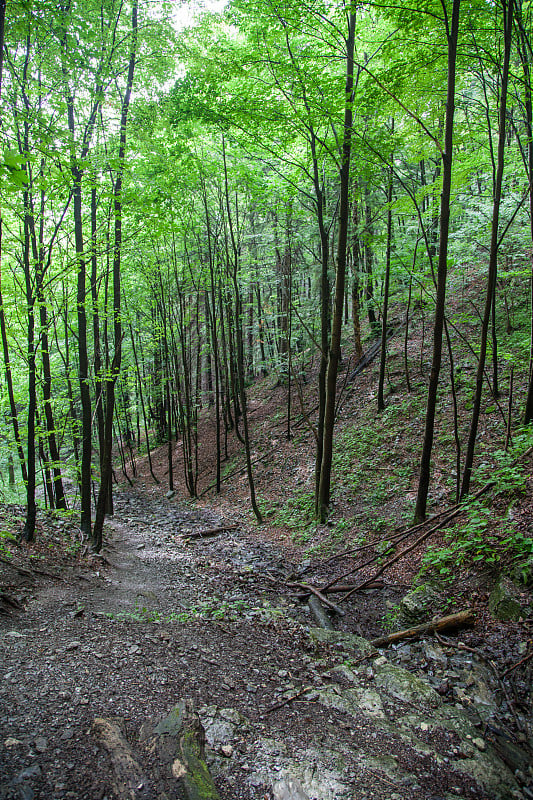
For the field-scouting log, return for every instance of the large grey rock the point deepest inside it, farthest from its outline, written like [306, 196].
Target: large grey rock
[353, 701]
[288, 789]
[505, 601]
[221, 725]
[307, 775]
[406, 687]
[418, 605]
[349, 642]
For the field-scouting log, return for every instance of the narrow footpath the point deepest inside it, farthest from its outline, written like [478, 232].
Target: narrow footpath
[290, 711]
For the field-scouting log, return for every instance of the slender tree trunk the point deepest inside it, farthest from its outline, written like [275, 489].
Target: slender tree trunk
[211, 313]
[442, 269]
[369, 262]
[143, 407]
[355, 259]
[239, 346]
[384, 318]
[13, 414]
[98, 383]
[5, 345]
[342, 245]
[493, 257]
[526, 57]
[107, 463]
[31, 507]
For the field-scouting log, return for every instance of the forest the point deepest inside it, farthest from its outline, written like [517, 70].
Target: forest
[266, 317]
[186, 210]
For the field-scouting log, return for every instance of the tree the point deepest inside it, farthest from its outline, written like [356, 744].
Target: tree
[114, 372]
[452, 31]
[342, 246]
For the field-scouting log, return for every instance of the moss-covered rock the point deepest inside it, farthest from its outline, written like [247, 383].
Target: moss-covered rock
[418, 605]
[403, 685]
[504, 601]
[178, 741]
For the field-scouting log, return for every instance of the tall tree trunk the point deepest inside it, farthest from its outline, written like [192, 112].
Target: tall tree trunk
[5, 345]
[31, 507]
[97, 350]
[342, 245]
[107, 463]
[525, 51]
[493, 257]
[239, 345]
[355, 259]
[369, 264]
[442, 269]
[384, 317]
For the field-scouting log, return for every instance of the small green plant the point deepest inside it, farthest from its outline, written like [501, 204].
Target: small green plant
[214, 609]
[6, 537]
[484, 537]
[389, 620]
[297, 511]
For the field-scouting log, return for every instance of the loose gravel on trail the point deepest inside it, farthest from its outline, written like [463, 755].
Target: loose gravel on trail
[160, 618]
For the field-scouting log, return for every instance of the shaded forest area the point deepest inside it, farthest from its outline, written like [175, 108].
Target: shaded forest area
[266, 313]
[270, 198]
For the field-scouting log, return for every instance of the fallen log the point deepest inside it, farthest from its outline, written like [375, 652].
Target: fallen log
[368, 357]
[129, 782]
[287, 700]
[8, 603]
[459, 620]
[342, 587]
[313, 590]
[319, 613]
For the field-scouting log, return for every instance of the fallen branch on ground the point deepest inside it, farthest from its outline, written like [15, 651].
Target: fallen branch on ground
[342, 587]
[457, 510]
[318, 611]
[288, 700]
[518, 663]
[307, 588]
[458, 620]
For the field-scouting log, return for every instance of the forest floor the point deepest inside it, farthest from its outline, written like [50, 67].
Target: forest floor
[166, 614]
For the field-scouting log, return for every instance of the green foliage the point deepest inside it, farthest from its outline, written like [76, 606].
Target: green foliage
[7, 538]
[296, 513]
[214, 609]
[484, 537]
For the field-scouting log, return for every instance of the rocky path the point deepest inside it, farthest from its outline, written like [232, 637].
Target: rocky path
[160, 619]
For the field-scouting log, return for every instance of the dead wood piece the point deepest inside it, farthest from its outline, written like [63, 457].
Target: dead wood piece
[178, 741]
[317, 610]
[516, 758]
[518, 664]
[21, 570]
[210, 532]
[287, 700]
[46, 574]
[129, 782]
[368, 357]
[343, 587]
[313, 590]
[459, 620]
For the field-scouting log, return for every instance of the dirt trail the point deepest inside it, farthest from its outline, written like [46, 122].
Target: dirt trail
[160, 619]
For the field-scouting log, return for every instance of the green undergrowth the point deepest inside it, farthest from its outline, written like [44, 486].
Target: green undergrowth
[214, 609]
[487, 534]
